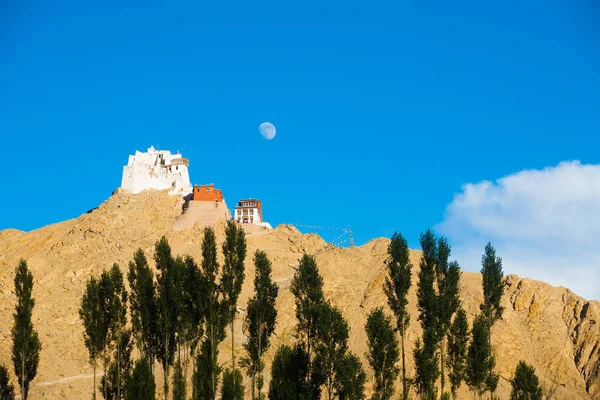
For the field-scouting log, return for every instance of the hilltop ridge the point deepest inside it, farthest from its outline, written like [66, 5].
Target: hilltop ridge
[549, 327]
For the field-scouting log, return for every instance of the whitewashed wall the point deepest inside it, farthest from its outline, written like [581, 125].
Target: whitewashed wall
[147, 171]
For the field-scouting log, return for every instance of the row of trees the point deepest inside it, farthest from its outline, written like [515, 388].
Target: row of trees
[447, 341]
[320, 359]
[182, 314]
[26, 346]
[177, 316]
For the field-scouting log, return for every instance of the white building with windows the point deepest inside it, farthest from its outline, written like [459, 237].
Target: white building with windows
[157, 169]
[249, 211]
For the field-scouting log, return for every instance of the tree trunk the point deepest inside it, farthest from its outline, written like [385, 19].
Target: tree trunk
[308, 344]
[491, 351]
[194, 380]
[212, 371]
[119, 369]
[185, 364]
[23, 394]
[442, 364]
[404, 383]
[259, 351]
[166, 367]
[94, 392]
[233, 349]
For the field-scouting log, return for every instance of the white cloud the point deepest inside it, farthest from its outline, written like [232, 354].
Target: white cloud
[545, 224]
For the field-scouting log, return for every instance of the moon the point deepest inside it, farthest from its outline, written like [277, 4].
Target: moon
[267, 130]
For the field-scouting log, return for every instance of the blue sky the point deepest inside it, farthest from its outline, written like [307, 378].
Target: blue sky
[384, 110]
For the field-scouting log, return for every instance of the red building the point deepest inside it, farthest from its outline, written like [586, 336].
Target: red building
[207, 193]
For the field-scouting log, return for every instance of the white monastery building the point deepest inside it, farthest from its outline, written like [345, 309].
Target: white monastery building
[157, 169]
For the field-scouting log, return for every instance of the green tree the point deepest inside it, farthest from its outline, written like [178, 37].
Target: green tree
[333, 333]
[290, 375]
[143, 307]
[232, 388]
[493, 285]
[141, 382]
[448, 283]
[178, 383]
[425, 352]
[204, 372]
[91, 312]
[115, 382]
[383, 353]
[167, 308]
[234, 252]
[261, 315]
[214, 319]
[117, 335]
[7, 390]
[397, 284]
[26, 344]
[191, 310]
[525, 383]
[480, 359]
[351, 377]
[307, 288]
[493, 290]
[458, 341]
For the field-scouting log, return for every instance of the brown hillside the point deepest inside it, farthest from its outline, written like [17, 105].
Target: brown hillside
[548, 327]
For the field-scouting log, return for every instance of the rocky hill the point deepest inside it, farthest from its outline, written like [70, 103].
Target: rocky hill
[549, 327]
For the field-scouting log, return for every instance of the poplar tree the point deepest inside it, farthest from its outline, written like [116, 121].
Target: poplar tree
[448, 282]
[350, 378]
[143, 307]
[182, 324]
[191, 311]
[167, 311]
[397, 284]
[307, 288]
[290, 375]
[26, 344]
[116, 303]
[425, 352]
[261, 315]
[214, 319]
[234, 252]
[525, 384]
[333, 333]
[141, 382]
[115, 382]
[178, 383]
[91, 314]
[382, 353]
[232, 389]
[7, 390]
[480, 359]
[493, 290]
[458, 340]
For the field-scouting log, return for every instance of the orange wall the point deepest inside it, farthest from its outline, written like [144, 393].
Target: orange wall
[207, 193]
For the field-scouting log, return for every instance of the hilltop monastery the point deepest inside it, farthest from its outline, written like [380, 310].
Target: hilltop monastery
[163, 170]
